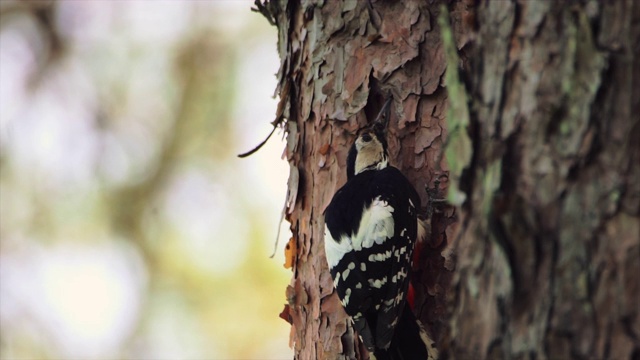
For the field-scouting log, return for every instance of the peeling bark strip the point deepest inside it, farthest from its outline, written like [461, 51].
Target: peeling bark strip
[548, 250]
[549, 254]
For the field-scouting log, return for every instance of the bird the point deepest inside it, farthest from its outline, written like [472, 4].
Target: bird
[371, 228]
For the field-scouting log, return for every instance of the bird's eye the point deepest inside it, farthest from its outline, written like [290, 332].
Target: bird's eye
[366, 137]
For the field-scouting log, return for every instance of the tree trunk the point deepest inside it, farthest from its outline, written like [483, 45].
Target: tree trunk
[539, 122]
[549, 253]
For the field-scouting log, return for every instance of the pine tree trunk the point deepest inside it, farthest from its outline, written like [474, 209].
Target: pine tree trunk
[546, 241]
[549, 250]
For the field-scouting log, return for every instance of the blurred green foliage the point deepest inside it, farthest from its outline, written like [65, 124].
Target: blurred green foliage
[128, 227]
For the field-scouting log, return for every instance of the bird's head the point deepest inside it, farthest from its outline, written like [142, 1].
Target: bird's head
[369, 151]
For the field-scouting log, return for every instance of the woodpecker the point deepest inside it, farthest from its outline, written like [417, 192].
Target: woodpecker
[371, 227]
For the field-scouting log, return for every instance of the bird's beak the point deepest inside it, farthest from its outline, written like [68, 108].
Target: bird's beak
[382, 120]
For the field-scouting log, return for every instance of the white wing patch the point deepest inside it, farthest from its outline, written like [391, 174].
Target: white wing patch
[377, 283]
[347, 294]
[380, 257]
[346, 271]
[376, 226]
[333, 249]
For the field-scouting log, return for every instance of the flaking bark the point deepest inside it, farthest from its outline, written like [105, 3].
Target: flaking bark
[338, 62]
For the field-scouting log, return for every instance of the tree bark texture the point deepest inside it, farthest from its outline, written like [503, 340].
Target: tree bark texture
[339, 62]
[545, 96]
[549, 243]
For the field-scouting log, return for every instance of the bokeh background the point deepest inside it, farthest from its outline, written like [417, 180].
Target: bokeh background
[129, 229]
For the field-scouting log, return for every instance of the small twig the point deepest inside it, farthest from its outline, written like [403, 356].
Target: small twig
[284, 96]
[244, 155]
[275, 246]
[386, 110]
[265, 10]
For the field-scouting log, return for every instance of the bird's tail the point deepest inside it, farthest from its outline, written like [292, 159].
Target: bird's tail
[410, 341]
